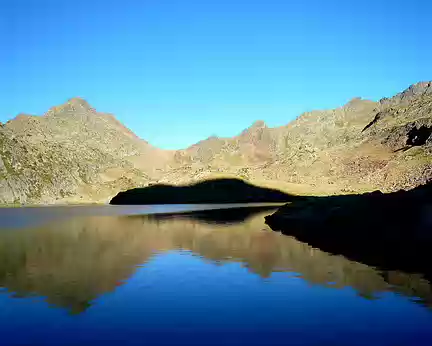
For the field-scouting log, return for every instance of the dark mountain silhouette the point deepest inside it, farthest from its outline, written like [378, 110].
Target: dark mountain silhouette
[208, 191]
[390, 231]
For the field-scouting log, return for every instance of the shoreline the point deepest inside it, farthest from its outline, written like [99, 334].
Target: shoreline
[391, 230]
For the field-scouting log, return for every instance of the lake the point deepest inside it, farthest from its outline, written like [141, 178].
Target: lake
[121, 275]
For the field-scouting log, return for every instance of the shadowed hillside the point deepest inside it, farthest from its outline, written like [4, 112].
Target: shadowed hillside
[387, 230]
[209, 191]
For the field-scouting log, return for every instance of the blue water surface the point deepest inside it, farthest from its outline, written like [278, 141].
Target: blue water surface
[181, 296]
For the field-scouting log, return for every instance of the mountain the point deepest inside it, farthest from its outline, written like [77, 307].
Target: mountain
[71, 153]
[75, 154]
[361, 146]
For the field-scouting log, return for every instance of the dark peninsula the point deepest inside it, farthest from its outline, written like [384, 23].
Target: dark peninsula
[221, 191]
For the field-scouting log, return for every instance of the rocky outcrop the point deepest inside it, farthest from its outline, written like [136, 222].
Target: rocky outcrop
[414, 91]
[391, 230]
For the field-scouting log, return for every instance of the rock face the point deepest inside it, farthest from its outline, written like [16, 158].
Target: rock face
[74, 153]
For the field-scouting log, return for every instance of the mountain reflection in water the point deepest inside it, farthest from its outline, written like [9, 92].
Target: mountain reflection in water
[74, 261]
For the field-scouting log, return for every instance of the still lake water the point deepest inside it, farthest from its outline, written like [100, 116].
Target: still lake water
[104, 275]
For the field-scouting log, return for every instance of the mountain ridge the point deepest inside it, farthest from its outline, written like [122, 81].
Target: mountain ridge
[73, 153]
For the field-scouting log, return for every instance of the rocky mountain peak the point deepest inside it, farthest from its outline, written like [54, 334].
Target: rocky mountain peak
[354, 101]
[414, 90]
[75, 104]
[357, 104]
[258, 124]
[212, 138]
[79, 102]
[254, 128]
[419, 88]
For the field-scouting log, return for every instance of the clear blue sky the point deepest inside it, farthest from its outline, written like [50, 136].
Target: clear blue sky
[179, 71]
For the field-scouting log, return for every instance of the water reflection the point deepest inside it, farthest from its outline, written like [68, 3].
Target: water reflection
[74, 261]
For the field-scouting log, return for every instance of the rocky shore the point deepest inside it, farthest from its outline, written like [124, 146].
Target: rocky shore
[389, 231]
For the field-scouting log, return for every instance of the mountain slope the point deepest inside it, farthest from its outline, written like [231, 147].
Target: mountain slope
[71, 151]
[351, 148]
[75, 154]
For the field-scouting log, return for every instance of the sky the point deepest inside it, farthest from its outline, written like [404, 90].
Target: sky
[176, 72]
